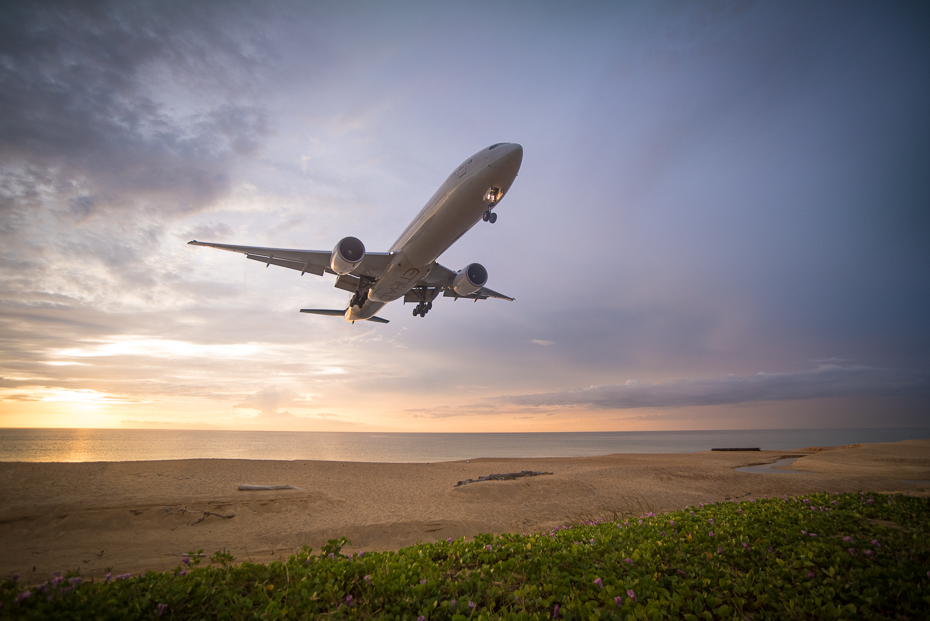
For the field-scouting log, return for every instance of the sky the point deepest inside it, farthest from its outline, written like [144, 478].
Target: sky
[720, 222]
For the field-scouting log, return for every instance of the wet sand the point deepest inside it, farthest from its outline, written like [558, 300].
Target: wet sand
[134, 516]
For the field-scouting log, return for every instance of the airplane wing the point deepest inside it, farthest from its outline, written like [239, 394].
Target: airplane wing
[441, 277]
[311, 261]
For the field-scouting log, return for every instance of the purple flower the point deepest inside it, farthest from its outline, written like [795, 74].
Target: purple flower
[57, 574]
[423, 581]
[803, 532]
[555, 612]
[421, 618]
[161, 608]
[488, 547]
[57, 580]
[107, 578]
[875, 543]
[619, 601]
[183, 572]
[631, 595]
[711, 520]
[186, 560]
[452, 603]
[449, 540]
[672, 522]
[770, 549]
[349, 600]
[852, 551]
[471, 606]
[812, 534]
[123, 576]
[810, 575]
[598, 583]
[745, 545]
[332, 556]
[868, 553]
[15, 577]
[719, 550]
[75, 580]
[683, 574]
[628, 560]
[24, 595]
[847, 538]
[711, 534]
[361, 554]
[367, 578]
[741, 511]
[309, 560]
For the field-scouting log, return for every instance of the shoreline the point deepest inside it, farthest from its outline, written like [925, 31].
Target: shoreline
[128, 517]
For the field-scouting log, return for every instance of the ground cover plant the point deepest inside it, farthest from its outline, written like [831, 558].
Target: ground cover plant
[822, 556]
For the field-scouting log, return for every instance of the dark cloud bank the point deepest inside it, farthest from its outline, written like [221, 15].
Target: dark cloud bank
[824, 382]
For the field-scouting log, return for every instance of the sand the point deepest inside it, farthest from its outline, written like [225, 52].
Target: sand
[135, 516]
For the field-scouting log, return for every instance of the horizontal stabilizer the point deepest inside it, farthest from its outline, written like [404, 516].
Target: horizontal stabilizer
[338, 313]
[323, 311]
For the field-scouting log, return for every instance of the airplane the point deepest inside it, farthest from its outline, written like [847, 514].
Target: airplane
[409, 269]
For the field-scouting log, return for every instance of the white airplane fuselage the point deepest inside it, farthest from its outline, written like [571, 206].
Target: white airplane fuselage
[472, 188]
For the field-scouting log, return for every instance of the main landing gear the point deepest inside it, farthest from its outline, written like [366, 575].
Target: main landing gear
[359, 298]
[489, 216]
[422, 308]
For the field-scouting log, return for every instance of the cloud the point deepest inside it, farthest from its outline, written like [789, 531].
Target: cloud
[541, 342]
[82, 119]
[269, 402]
[824, 382]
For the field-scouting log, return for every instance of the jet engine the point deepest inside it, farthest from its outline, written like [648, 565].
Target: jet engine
[347, 255]
[470, 279]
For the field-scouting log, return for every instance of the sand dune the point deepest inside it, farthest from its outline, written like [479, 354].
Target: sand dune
[134, 516]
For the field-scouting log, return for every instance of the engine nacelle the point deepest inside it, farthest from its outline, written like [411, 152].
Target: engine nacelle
[470, 279]
[347, 255]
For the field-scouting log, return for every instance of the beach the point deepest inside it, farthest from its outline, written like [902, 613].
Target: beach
[129, 517]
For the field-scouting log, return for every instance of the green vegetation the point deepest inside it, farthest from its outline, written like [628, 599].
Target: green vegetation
[850, 556]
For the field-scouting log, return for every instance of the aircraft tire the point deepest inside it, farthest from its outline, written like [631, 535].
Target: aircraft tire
[492, 218]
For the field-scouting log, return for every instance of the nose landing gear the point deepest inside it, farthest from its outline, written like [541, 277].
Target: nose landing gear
[492, 197]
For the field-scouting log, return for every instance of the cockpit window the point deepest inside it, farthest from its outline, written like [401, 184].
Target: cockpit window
[496, 145]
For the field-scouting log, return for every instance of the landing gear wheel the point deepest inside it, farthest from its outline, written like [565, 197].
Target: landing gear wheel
[486, 215]
[492, 217]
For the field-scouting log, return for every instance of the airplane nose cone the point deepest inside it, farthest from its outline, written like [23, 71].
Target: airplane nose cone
[510, 159]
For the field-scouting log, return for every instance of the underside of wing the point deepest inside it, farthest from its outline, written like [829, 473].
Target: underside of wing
[441, 277]
[310, 261]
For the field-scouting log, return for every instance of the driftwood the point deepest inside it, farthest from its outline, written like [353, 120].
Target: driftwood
[509, 476]
[754, 448]
[255, 488]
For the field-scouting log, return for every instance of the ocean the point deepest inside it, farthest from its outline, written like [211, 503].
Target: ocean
[85, 445]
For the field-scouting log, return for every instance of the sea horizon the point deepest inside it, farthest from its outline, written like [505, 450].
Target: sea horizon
[77, 445]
